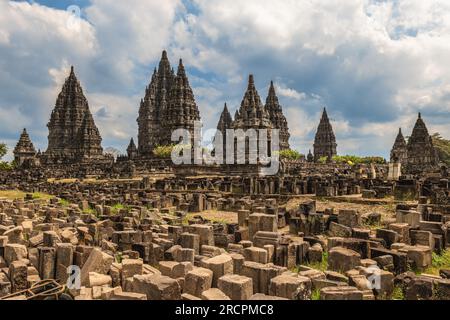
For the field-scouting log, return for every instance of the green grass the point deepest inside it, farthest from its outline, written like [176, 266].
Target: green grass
[322, 266]
[315, 295]
[17, 194]
[64, 202]
[117, 207]
[397, 294]
[90, 211]
[439, 262]
[40, 195]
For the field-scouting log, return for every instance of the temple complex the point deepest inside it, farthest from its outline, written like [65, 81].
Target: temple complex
[142, 228]
[325, 141]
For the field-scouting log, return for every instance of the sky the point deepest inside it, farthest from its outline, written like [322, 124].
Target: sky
[373, 64]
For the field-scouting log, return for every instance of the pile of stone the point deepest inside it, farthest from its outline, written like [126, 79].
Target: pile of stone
[136, 253]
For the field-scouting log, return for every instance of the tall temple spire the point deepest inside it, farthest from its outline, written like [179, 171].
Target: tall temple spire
[225, 120]
[89, 139]
[70, 125]
[225, 123]
[325, 140]
[421, 152]
[132, 151]
[153, 107]
[399, 151]
[252, 113]
[182, 110]
[277, 117]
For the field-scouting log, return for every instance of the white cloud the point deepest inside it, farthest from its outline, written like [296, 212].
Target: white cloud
[374, 64]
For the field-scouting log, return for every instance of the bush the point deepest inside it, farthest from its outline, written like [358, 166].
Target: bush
[290, 154]
[352, 160]
[165, 152]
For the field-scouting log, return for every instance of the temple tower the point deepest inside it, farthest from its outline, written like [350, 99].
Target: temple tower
[132, 151]
[153, 106]
[24, 149]
[252, 115]
[277, 117]
[72, 131]
[325, 140]
[421, 151]
[399, 152]
[182, 110]
[225, 123]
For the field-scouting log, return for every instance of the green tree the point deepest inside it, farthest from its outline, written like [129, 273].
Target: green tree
[443, 147]
[3, 164]
[3, 150]
[290, 154]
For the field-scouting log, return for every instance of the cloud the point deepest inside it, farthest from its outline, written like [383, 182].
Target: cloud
[373, 64]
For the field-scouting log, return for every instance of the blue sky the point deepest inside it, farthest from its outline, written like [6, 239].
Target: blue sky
[373, 64]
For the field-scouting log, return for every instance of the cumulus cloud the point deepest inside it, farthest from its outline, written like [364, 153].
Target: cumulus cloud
[373, 64]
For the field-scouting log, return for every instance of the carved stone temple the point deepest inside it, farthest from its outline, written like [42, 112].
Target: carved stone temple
[325, 141]
[73, 135]
[24, 149]
[169, 104]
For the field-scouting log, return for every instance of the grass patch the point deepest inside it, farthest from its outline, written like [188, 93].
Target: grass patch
[439, 262]
[322, 266]
[397, 294]
[17, 194]
[315, 295]
[64, 202]
[117, 207]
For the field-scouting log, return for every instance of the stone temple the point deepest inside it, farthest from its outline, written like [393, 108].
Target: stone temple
[418, 153]
[325, 141]
[139, 227]
[168, 104]
[24, 149]
[399, 152]
[73, 135]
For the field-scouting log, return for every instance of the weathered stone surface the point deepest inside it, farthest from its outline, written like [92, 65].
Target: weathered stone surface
[291, 287]
[236, 287]
[157, 287]
[342, 259]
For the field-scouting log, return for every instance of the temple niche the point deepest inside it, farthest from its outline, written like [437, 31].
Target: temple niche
[325, 141]
[73, 135]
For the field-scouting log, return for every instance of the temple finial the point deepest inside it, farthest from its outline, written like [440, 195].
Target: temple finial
[181, 70]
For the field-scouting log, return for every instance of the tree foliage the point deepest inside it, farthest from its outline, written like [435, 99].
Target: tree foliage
[163, 152]
[443, 147]
[290, 154]
[3, 164]
[3, 150]
[353, 160]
